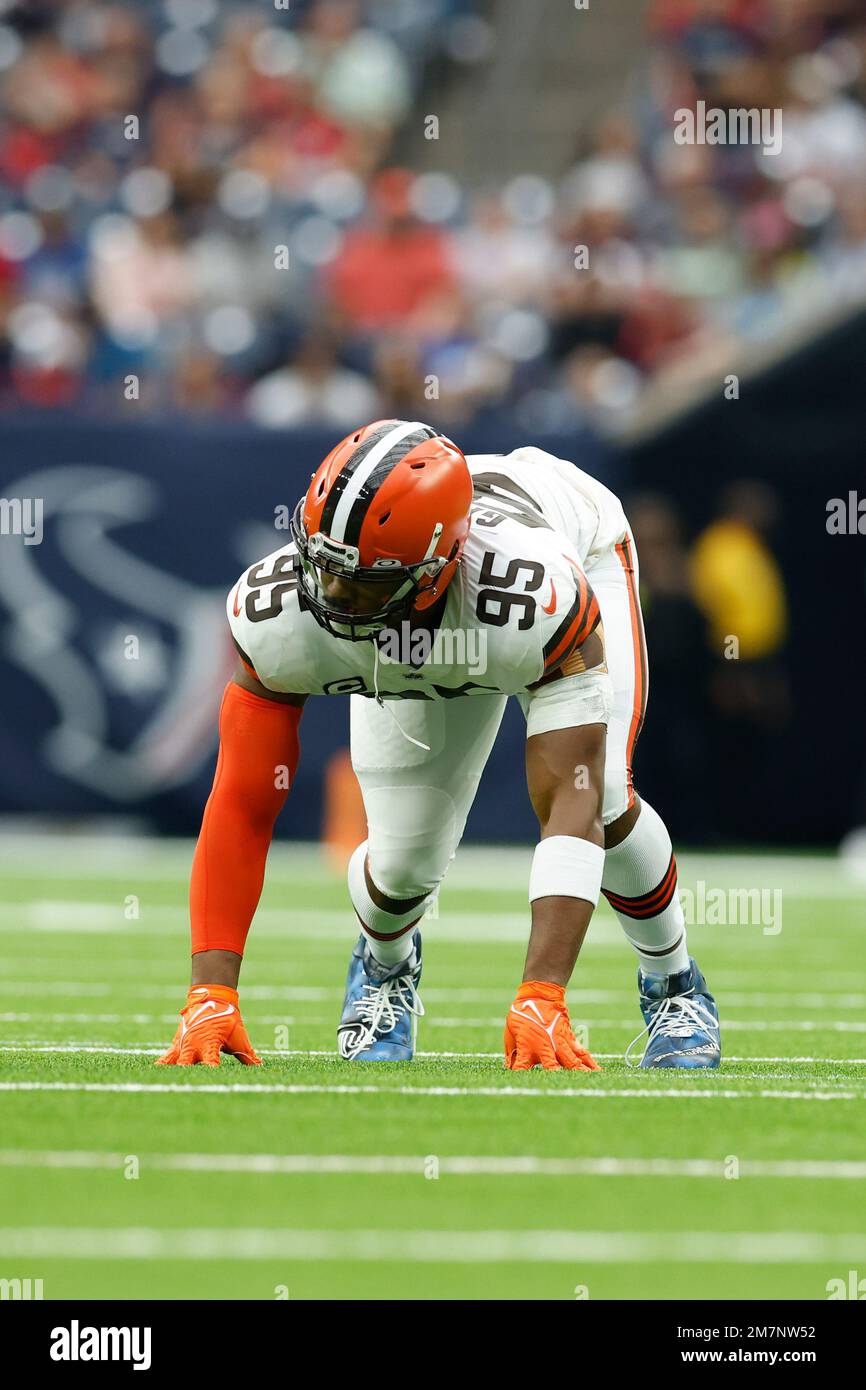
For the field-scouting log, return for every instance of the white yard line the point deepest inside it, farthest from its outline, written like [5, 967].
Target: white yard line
[151, 1046]
[85, 918]
[36, 1017]
[153, 1049]
[729, 1025]
[504, 1092]
[273, 993]
[577, 997]
[74, 917]
[492, 1022]
[446, 1166]
[72, 988]
[434, 1246]
[96, 855]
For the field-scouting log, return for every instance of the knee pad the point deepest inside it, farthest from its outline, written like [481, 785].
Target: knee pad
[412, 838]
[377, 921]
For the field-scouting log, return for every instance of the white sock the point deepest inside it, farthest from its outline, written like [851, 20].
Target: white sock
[388, 933]
[640, 883]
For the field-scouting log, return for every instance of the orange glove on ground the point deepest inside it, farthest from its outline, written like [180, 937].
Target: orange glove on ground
[210, 1023]
[538, 1031]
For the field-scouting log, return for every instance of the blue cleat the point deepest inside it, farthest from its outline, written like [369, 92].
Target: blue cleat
[381, 1008]
[682, 1021]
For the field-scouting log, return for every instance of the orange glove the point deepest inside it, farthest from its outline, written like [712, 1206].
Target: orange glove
[538, 1031]
[210, 1023]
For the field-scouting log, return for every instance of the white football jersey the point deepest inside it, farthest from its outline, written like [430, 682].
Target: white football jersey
[519, 602]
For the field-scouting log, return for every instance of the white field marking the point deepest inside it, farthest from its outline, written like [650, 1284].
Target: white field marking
[290, 924]
[783, 998]
[77, 917]
[94, 1018]
[434, 1247]
[431, 1021]
[495, 1022]
[154, 1048]
[825, 1061]
[72, 989]
[577, 997]
[503, 1092]
[100, 1049]
[23, 853]
[728, 1025]
[458, 1165]
[148, 1047]
[100, 856]
[270, 1053]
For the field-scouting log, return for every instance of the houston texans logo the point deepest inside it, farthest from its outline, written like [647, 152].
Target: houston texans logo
[131, 657]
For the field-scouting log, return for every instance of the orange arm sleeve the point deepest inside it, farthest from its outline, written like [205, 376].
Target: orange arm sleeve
[258, 755]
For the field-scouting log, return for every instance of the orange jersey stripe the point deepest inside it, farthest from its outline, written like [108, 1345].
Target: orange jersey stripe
[581, 619]
[624, 552]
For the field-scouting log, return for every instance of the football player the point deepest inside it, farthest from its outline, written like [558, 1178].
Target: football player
[429, 587]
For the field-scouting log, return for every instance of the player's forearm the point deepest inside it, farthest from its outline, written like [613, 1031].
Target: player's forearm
[566, 775]
[216, 968]
[258, 755]
[566, 877]
[559, 925]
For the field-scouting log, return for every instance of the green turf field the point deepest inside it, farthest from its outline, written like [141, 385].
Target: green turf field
[446, 1177]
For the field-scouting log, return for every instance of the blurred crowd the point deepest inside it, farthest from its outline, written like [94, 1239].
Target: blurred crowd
[202, 211]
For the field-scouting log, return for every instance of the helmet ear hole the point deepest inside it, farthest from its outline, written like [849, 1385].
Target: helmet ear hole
[383, 519]
[453, 551]
[416, 466]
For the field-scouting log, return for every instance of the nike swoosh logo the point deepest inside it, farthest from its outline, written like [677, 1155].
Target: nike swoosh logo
[202, 1009]
[200, 1016]
[550, 607]
[538, 1020]
[236, 608]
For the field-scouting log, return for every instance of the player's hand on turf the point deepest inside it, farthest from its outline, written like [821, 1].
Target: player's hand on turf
[210, 1023]
[538, 1031]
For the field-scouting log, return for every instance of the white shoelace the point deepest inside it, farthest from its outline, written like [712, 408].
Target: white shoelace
[387, 705]
[676, 1017]
[383, 1007]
